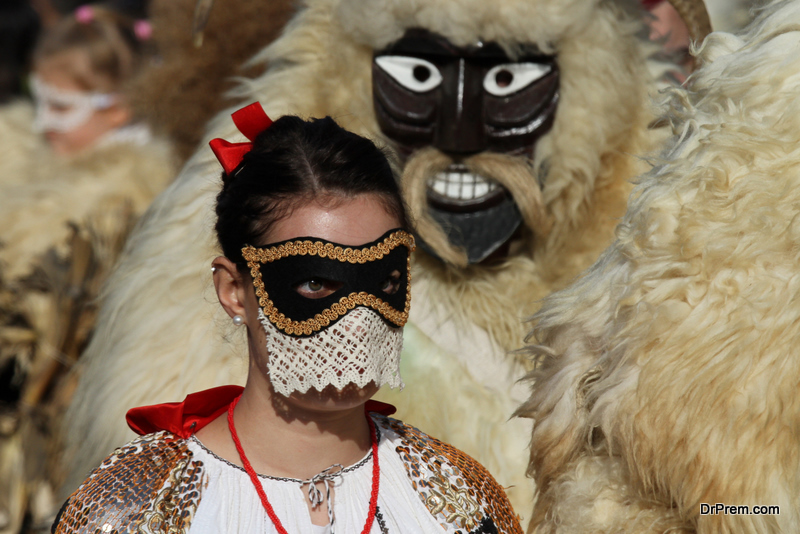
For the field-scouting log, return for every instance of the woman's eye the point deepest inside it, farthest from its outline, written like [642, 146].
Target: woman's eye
[509, 78]
[317, 288]
[313, 285]
[391, 284]
[413, 73]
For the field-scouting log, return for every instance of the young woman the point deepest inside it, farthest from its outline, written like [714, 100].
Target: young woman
[316, 248]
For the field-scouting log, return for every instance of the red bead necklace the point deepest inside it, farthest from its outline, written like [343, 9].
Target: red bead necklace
[373, 499]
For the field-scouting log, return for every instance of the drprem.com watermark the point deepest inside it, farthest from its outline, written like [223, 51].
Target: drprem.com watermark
[727, 509]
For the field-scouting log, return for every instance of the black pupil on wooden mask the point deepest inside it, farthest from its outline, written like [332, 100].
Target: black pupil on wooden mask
[465, 112]
[462, 101]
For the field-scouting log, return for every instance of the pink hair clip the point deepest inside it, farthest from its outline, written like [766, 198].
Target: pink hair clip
[84, 14]
[143, 29]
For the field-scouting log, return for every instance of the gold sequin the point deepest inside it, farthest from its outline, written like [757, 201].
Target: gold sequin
[151, 485]
[457, 504]
[474, 485]
[256, 256]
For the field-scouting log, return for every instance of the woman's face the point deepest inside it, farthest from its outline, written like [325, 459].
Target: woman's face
[347, 221]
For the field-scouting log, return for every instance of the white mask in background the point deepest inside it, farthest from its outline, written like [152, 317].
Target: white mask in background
[61, 110]
[358, 349]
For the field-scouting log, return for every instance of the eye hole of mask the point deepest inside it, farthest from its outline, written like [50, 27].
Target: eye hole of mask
[317, 288]
[391, 284]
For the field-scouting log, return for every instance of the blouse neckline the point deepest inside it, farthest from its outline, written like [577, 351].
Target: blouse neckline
[347, 469]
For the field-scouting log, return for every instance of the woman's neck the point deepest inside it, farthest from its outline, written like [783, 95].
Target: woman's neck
[286, 438]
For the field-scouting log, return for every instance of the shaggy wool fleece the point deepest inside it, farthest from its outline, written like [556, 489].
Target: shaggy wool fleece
[669, 373]
[17, 142]
[62, 223]
[46, 200]
[162, 335]
[37, 211]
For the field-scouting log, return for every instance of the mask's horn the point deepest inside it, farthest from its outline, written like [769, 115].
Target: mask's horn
[202, 10]
[695, 16]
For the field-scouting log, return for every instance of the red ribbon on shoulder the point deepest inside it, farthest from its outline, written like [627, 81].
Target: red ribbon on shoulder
[198, 409]
[183, 418]
[250, 120]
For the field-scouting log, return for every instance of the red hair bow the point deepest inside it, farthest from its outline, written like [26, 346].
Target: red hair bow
[251, 121]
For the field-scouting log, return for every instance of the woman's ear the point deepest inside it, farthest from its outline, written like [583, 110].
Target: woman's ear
[230, 286]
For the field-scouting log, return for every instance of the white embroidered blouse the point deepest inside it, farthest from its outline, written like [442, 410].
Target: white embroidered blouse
[231, 504]
[162, 482]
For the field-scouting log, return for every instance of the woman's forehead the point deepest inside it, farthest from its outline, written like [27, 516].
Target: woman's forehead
[345, 220]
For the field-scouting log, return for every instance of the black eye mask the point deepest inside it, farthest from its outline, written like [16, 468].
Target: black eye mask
[364, 273]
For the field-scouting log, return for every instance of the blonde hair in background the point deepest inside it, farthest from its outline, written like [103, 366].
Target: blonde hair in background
[113, 52]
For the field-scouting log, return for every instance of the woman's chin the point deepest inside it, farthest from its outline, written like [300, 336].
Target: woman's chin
[331, 399]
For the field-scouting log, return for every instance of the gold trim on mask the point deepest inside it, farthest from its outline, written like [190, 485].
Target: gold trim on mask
[255, 256]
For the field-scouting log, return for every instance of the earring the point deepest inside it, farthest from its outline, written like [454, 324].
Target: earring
[238, 320]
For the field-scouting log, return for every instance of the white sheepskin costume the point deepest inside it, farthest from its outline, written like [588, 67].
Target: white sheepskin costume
[669, 373]
[730, 15]
[63, 221]
[162, 334]
[46, 200]
[46, 193]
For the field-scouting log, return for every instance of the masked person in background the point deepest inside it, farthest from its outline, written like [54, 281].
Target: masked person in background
[316, 248]
[71, 190]
[93, 152]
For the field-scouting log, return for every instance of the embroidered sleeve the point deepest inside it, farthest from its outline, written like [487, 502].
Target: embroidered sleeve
[456, 489]
[150, 485]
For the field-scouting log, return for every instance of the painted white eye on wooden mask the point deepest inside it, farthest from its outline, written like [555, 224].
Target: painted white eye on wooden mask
[508, 78]
[413, 73]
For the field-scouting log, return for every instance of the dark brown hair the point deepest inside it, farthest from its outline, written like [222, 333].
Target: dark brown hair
[293, 161]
